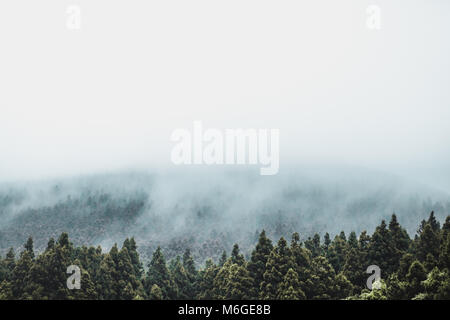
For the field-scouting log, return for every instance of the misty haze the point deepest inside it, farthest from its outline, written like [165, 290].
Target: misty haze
[96, 174]
[209, 209]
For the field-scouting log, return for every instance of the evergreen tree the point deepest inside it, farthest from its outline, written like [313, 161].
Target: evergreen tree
[343, 287]
[396, 288]
[191, 273]
[156, 293]
[181, 279]
[7, 265]
[278, 264]
[107, 279]
[326, 243]
[444, 255]
[446, 228]
[29, 247]
[435, 225]
[237, 257]
[60, 258]
[380, 252]
[159, 274]
[238, 284]
[131, 246]
[404, 265]
[415, 276]
[257, 263]
[223, 258]
[354, 269]
[352, 240]
[399, 243]
[375, 294]
[220, 282]
[127, 281]
[313, 245]
[289, 289]
[428, 243]
[47, 276]
[302, 264]
[87, 289]
[363, 245]
[322, 278]
[206, 290]
[19, 277]
[437, 285]
[338, 252]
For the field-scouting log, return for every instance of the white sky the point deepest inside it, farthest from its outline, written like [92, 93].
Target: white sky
[109, 95]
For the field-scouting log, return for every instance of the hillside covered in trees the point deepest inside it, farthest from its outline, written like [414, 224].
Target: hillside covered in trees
[411, 268]
[207, 212]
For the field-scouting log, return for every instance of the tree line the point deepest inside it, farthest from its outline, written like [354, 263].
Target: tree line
[316, 268]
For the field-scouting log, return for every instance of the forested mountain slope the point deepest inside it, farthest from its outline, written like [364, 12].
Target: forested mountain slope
[315, 269]
[207, 212]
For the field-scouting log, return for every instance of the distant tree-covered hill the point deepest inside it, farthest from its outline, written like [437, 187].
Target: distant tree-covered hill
[207, 212]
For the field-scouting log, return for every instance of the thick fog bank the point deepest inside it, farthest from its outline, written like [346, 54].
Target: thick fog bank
[209, 209]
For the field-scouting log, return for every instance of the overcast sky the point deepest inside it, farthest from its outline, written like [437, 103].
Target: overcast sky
[109, 95]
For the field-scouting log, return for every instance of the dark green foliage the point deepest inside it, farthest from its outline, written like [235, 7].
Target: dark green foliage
[354, 269]
[237, 257]
[302, 265]
[180, 278]
[29, 247]
[239, 283]
[191, 290]
[158, 274]
[398, 241]
[322, 278]
[7, 266]
[352, 240]
[156, 293]
[279, 262]
[405, 263]
[435, 225]
[130, 245]
[410, 269]
[20, 276]
[437, 285]
[326, 242]
[257, 263]
[380, 252]
[313, 245]
[414, 278]
[206, 288]
[223, 259]
[290, 289]
[444, 255]
[428, 243]
[337, 252]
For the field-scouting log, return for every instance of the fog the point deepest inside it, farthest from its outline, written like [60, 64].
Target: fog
[86, 117]
[208, 210]
[109, 95]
